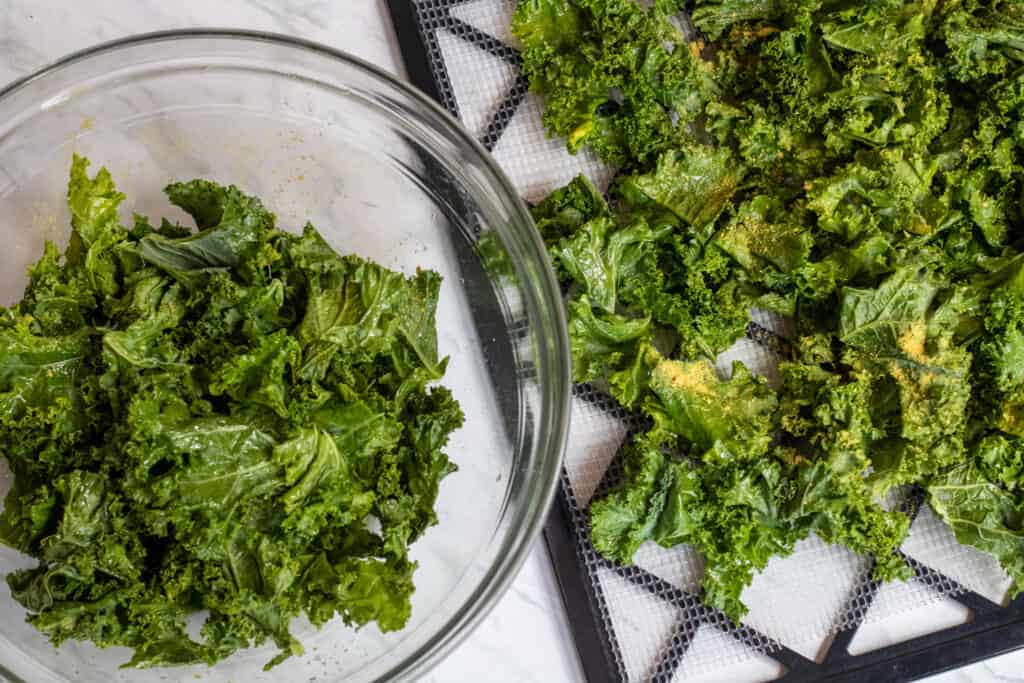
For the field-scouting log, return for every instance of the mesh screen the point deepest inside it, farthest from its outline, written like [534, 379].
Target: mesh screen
[656, 627]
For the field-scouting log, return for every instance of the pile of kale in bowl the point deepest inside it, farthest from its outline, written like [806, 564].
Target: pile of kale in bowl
[233, 423]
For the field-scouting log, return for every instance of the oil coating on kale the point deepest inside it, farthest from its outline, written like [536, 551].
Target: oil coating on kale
[208, 421]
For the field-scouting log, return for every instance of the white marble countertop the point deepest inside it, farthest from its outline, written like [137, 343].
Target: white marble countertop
[526, 637]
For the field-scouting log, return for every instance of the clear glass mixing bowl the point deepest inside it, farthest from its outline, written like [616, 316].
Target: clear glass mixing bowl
[382, 172]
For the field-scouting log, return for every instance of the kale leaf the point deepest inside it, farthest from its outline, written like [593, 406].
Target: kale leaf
[236, 420]
[857, 167]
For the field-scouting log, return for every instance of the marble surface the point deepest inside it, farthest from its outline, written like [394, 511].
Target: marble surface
[526, 637]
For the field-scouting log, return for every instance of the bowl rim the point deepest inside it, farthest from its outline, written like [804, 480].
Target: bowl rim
[523, 532]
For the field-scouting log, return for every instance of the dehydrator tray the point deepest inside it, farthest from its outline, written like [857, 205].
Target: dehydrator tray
[815, 616]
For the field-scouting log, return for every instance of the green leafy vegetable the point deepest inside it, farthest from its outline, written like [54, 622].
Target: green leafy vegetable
[235, 420]
[854, 166]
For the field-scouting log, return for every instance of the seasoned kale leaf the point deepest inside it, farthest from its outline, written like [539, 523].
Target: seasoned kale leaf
[236, 420]
[709, 474]
[855, 167]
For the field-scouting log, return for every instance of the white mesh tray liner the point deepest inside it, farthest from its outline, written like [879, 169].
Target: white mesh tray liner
[797, 602]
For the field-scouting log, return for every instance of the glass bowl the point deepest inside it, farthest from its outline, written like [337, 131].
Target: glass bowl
[382, 172]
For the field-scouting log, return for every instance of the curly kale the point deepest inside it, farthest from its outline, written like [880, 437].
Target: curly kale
[627, 92]
[854, 166]
[210, 421]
